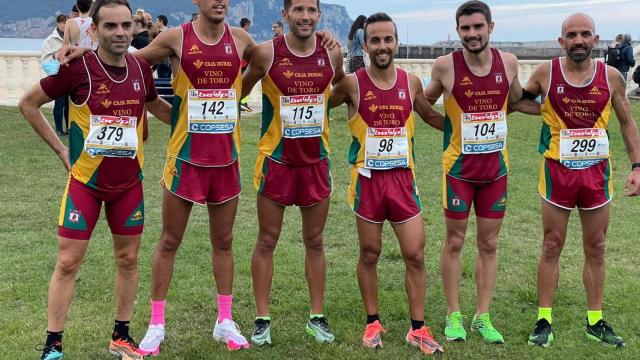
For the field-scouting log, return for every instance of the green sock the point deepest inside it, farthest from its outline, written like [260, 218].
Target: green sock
[265, 318]
[313, 316]
[544, 313]
[594, 316]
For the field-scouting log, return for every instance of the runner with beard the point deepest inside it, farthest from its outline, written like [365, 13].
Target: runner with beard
[478, 82]
[381, 100]
[579, 95]
[293, 161]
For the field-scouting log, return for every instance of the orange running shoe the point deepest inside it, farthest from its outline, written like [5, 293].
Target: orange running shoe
[423, 339]
[371, 337]
[126, 348]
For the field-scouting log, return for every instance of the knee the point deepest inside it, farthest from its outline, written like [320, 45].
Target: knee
[414, 259]
[314, 243]
[552, 244]
[487, 246]
[595, 249]
[454, 243]
[169, 242]
[369, 257]
[127, 261]
[267, 240]
[68, 265]
[222, 243]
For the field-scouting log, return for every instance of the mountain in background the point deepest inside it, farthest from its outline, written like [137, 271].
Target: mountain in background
[36, 18]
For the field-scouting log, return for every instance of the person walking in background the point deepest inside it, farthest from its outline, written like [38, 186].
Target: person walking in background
[77, 30]
[162, 23]
[245, 24]
[49, 52]
[355, 55]
[620, 54]
[164, 68]
[277, 28]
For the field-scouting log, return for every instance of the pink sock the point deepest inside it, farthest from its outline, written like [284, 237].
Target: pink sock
[224, 307]
[157, 312]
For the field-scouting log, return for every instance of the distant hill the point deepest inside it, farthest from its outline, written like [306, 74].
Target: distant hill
[36, 18]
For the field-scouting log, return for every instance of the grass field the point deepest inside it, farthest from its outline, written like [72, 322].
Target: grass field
[33, 179]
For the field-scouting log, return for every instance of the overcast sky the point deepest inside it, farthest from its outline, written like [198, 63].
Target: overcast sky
[427, 21]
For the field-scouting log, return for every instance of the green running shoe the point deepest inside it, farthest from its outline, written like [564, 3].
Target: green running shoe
[542, 334]
[482, 324]
[51, 352]
[604, 334]
[454, 329]
[262, 332]
[318, 327]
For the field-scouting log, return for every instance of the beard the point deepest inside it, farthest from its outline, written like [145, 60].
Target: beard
[579, 57]
[302, 35]
[475, 51]
[379, 64]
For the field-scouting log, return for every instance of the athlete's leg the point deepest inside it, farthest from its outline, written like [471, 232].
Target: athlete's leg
[486, 262]
[313, 220]
[270, 217]
[554, 224]
[221, 219]
[370, 239]
[63, 280]
[594, 229]
[175, 215]
[125, 249]
[411, 238]
[450, 262]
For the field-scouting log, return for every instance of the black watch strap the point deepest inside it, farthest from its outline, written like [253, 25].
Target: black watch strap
[634, 166]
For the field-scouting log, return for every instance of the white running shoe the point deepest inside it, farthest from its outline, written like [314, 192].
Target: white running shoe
[150, 345]
[228, 332]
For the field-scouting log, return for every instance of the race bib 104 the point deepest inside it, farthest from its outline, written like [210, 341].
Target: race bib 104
[112, 136]
[484, 132]
[212, 111]
[583, 148]
[302, 116]
[386, 148]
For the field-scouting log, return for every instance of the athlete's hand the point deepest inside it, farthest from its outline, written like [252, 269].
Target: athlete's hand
[68, 53]
[633, 183]
[328, 41]
[64, 157]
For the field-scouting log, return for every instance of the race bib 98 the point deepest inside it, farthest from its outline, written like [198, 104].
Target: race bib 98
[386, 148]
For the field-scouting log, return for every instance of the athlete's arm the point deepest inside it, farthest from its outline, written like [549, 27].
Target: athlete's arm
[244, 42]
[515, 88]
[628, 128]
[341, 92]
[534, 88]
[160, 109]
[258, 67]
[421, 105]
[435, 88]
[161, 47]
[328, 41]
[71, 30]
[29, 106]
[338, 67]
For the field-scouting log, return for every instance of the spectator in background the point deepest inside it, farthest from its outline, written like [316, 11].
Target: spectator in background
[162, 23]
[164, 68]
[245, 24]
[355, 40]
[77, 31]
[277, 28]
[194, 16]
[620, 54]
[151, 26]
[140, 34]
[74, 12]
[49, 52]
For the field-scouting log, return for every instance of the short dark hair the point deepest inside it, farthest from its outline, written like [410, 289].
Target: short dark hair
[61, 18]
[244, 22]
[473, 7]
[279, 23]
[98, 4]
[74, 8]
[83, 5]
[379, 17]
[163, 19]
[287, 4]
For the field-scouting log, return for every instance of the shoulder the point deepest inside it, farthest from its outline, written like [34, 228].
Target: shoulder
[443, 63]
[335, 54]
[508, 58]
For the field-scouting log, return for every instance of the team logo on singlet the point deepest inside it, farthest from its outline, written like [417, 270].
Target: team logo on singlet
[198, 64]
[74, 216]
[136, 85]
[595, 91]
[227, 49]
[498, 78]
[285, 62]
[369, 96]
[106, 103]
[466, 81]
[373, 108]
[320, 62]
[566, 100]
[288, 74]
[401, 94]
[194, 50]
[560, 89]
[469, 93]
[103, 89]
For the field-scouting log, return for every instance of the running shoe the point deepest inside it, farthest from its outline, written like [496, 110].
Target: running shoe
[371, 337]
[126, 348]
[150, 344]
[542, 334]
[454, 329]
[228, 332]
[262, 332]
[318, 327]
[423, 338]
[51, 352]
[482, 324]
[603, 333]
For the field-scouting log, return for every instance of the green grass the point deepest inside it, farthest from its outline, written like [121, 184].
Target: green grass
[33, 178]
